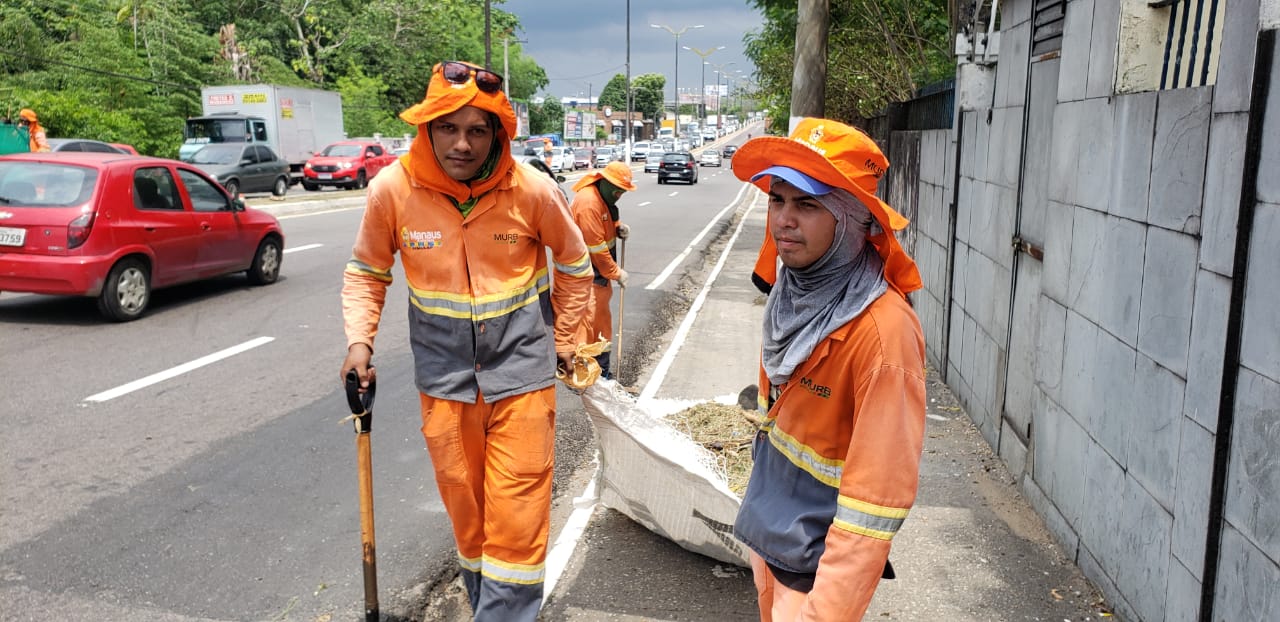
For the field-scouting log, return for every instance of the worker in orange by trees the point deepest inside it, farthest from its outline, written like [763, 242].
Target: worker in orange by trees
[486, 329]
[35, 132]
[595, 209]
[841, 380]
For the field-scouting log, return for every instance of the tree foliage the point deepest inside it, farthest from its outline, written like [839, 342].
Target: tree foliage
[547, 117]
[131, 70]
[878, 52]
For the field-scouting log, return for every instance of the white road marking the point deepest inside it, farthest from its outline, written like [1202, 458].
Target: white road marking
[644, 204]
[674, 193]
[660, 372]
[666, 272]
[177, 371]
[558, 557]
[304, 247]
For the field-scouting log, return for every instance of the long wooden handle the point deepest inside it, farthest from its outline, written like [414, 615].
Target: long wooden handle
[367, 537]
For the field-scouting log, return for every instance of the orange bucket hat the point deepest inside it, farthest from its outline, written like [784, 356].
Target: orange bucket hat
[29, 115]
[840, 156]
[444, 97]
[616, 173]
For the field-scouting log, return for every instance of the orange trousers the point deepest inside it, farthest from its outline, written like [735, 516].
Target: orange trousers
[776, 601]
[493, 467]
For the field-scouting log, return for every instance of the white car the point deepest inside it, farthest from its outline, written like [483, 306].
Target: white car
[561, 159]
[710, 157]
[639, 151]
[604, 155]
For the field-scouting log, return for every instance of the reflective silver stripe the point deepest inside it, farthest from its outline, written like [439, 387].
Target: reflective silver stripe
[469, 563]
[868, 519]
[612, 243]
[508, 572]
[359, 267]
[825, 470]
[598, 248]
[580, 267]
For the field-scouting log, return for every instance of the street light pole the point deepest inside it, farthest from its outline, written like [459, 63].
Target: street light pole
[720, 71]
[702, 98]
[675, 80]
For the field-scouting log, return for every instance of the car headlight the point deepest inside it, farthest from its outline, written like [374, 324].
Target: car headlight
[345, 165]
[307, 166]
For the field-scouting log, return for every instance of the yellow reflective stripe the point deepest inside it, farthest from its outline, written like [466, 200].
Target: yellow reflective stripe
[868, 519]
[469, 563]
[508, 572]
[356, 266]
[825, 470]
[464, 307]
[580, 267]
[598, 248]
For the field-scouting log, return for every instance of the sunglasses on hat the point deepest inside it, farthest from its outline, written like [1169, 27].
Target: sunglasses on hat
[459, 73]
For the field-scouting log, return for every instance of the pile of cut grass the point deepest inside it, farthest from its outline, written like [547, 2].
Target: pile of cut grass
[724, 430]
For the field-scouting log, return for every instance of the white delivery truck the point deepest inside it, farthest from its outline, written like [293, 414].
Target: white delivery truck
[294, 122]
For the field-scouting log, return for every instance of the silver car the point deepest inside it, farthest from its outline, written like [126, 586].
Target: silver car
[244, 167]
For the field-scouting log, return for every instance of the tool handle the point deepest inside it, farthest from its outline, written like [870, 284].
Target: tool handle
[361, 403]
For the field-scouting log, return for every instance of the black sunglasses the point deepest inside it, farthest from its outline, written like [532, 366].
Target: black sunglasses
[458, 73]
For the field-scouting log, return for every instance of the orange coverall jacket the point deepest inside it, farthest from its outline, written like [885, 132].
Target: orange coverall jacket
[482, 309]
[599, 231]
[837, 460]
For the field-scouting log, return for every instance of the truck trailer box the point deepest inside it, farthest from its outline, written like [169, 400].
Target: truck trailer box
[299, 121]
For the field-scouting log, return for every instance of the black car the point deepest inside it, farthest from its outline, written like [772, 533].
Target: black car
[728, 151]
[678, 165]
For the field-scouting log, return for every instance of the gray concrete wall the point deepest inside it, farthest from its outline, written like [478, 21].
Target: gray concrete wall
[1096, 371]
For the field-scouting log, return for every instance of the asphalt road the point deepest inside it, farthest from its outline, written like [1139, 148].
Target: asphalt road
[227, 490]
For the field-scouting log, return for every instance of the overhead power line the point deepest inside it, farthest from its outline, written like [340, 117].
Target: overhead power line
[193, 87]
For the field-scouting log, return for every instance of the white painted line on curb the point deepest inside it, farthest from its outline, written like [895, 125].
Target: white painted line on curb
[304, 247]
[660, 372]
[644, 204]
[666, 272]
[558, 558]
[177, 371]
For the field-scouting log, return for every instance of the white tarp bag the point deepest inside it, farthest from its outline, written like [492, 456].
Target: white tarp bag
[660, 478]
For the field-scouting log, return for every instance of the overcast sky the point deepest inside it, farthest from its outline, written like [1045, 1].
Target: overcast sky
[581, 45]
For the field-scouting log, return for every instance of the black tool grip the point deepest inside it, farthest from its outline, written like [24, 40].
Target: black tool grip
[361, 403]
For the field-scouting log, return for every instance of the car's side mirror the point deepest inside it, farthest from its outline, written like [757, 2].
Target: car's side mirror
[237, 204]
[245, 161]
[560, 178]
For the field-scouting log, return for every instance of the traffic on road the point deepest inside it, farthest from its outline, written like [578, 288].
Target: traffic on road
[193, 464]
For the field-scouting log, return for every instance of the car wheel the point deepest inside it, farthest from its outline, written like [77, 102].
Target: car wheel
[281, 187]
[361, 180]
[306, 185]
[266, 263]
[126, 292]
[233, 187]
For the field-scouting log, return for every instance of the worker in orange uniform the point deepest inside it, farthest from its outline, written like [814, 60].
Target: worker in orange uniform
[38, 139]
[472, 229]
[841, 380]
[595, 209]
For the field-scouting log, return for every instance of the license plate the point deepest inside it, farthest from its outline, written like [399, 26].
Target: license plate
[324, 175]
[10, 236]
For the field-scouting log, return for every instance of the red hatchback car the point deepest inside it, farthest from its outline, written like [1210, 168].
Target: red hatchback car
[117, 226]
[349, 164]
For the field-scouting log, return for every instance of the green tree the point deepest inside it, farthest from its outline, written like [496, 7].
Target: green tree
[646, 95]
[878, 52]
[614, 93]
[547, 117]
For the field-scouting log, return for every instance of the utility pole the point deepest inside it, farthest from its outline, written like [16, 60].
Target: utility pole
[506, 64]
[488, 62]
[627, 122]
[809, 77]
